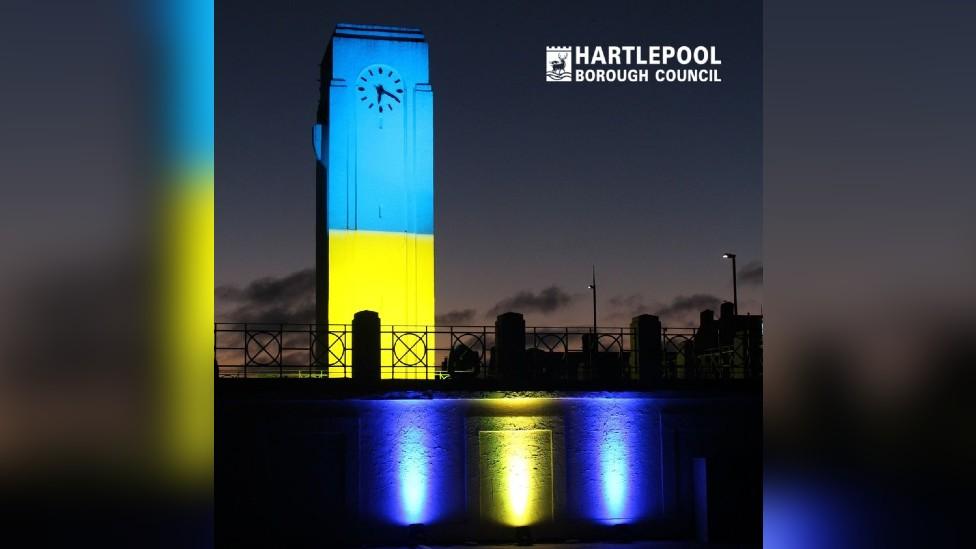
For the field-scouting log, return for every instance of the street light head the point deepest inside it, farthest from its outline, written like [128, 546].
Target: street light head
[590, 286]
[727, 255]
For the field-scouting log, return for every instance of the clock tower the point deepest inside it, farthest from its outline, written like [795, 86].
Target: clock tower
[374, 150]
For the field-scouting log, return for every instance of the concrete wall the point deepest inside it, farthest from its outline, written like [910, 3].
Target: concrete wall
[472, 469]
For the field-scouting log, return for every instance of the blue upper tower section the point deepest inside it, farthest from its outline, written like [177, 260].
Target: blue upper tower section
[374, 137]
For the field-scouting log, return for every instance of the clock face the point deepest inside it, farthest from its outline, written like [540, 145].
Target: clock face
[379, 89]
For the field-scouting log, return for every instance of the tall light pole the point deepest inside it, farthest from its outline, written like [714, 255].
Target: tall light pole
[593, 287]
[735, 288]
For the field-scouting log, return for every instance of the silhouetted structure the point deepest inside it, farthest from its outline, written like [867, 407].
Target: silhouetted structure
[646, 349]
[510, 346]
[366, 334]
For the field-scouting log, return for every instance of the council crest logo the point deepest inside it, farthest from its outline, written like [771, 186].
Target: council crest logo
[559, 64]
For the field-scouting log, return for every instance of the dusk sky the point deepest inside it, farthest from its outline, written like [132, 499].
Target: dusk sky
[534, 182]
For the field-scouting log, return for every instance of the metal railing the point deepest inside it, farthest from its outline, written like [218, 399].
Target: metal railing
[562, 354]
[435, 352]
[574, 354]
[256, 350]
[691, 354]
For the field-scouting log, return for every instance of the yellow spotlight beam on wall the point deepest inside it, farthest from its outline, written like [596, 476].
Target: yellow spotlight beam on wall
[516, 476]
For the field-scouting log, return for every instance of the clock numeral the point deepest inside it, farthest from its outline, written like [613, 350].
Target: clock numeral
[381, 108]
[381, 70]
[363, 78]
[397, 81]
[370, 106]
[363, 98]
[371, 72]
[399, 91]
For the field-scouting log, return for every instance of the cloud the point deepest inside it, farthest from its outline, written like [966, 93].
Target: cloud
[751, 273]
[683, 306]
[290, 298]
[549, 300]
[630, 301]
[627, 306]
[456, 318]
[683, 309]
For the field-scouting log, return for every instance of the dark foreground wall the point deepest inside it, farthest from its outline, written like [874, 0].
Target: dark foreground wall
[328, 471]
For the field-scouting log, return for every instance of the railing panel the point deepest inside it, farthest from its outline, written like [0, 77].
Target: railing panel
[434, 352]
[261, 350]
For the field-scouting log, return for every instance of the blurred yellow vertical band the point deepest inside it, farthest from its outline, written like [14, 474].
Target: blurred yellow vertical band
[186, 334]
[183, 333]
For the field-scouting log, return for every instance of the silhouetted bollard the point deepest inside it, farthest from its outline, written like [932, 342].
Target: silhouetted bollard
[726, 324]
[706, 338]
[366, 347]
[510, 346]
[645, 343]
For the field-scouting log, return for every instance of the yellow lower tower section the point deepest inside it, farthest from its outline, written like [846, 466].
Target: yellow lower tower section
[392, 274]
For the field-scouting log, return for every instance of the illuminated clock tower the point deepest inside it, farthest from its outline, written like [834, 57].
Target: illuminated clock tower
[374, 149]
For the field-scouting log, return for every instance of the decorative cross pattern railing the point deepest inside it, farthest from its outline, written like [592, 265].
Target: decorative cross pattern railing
[282, 350]
[562, 354]
[435, 352]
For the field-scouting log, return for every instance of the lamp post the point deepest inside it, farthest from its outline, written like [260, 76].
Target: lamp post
[593, 339]
[592, 286]
[735, 289]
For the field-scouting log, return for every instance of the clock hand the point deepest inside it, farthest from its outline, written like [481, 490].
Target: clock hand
[390, 94]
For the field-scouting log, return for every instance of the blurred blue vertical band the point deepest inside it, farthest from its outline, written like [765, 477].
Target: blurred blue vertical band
[187, 38]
